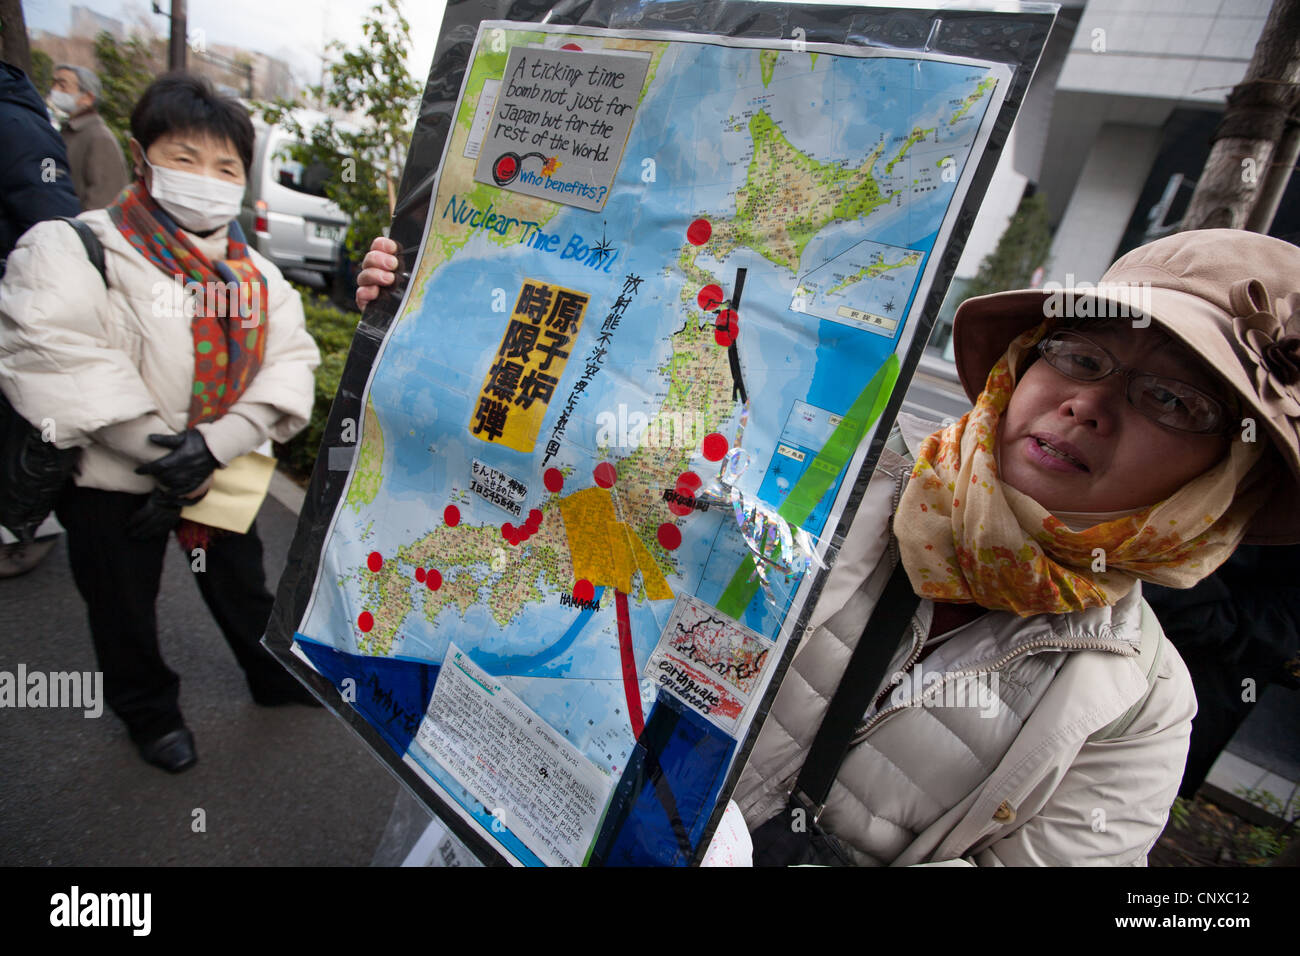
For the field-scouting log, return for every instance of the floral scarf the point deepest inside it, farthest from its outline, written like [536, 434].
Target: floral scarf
[965, 537]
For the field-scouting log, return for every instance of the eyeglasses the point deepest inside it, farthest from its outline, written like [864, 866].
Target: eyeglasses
[1166, 401]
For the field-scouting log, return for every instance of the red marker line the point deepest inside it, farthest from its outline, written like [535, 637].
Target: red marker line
[631, 689]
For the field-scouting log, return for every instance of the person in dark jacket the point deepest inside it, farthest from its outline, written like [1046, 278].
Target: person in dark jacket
[35, 185]
[1238, 631]
[35, 179]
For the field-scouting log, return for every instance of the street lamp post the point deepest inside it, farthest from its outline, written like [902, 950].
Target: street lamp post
[176, 44]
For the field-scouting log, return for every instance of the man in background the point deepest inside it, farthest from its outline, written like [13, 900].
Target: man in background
[98, 167]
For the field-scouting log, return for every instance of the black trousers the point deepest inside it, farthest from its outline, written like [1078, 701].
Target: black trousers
[118, 579]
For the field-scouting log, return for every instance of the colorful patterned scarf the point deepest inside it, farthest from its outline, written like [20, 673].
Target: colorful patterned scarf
[229, 295]
[965, 537]
[229, 298]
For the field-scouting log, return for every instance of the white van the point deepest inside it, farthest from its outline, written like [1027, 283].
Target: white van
[285, 215]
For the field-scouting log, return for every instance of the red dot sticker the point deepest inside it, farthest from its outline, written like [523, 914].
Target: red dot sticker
[583, 591]
[571, 46]
[365, 621]
[434, 579]
[553, 480]
[534, 519]
[688, 483]
[451, 515]
[375, 561]
[698, 232]
[715, 447]
[669, 536]
[419, 575]
[727, 328]
[710, 297]
[605, 475]
[506, 166]
[509, 533]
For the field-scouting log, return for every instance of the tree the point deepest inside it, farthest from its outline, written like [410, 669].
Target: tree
[1022, 249]
[14, 47]
[125, 69]
[372, 83]
[1255, 144]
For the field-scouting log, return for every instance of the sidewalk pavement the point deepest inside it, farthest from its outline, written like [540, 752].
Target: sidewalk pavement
[1261, 764]
[286, 786]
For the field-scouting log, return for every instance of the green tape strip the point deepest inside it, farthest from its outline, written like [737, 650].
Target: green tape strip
[818, 476]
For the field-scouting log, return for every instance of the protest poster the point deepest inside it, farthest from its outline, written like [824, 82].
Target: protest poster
[670, 372]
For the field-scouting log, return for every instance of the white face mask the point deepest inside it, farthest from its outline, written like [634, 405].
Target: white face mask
[197, 203]
[64, 102]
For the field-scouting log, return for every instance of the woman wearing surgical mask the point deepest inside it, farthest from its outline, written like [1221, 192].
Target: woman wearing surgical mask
[191, 353]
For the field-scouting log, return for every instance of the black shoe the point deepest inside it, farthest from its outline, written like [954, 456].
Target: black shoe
[174, 751]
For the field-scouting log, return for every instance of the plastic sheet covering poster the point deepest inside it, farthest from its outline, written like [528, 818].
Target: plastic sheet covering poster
[656, 312]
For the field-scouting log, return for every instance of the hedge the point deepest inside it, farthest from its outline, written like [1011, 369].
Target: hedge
[332, 329]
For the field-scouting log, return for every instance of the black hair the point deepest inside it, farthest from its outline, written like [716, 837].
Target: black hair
[185, 102]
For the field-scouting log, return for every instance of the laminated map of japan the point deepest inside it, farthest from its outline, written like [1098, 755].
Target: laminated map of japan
[663, 291]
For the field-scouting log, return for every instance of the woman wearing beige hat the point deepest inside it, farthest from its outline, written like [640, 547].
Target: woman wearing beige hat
[1033, 713]
[1136, 431]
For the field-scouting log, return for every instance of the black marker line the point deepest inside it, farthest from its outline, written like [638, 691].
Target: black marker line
[733, 355]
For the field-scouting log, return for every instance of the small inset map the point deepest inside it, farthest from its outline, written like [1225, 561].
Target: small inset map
[807, 430]
[868, 286]
[709, 661]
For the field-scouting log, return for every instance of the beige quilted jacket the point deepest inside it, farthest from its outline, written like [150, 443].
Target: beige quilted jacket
[105, 368]
[1004, 774]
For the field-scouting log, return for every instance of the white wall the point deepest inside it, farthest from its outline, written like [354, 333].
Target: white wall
[1182, 50]
[1113, 174]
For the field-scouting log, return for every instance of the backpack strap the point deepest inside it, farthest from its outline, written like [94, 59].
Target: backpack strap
[867, 667]
[94, 248]
[1153, 640]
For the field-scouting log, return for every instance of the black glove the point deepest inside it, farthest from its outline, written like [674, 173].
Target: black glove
[158, 516]
[187, 467]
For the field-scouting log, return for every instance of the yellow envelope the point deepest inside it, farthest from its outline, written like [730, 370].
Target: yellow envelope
[236, 494]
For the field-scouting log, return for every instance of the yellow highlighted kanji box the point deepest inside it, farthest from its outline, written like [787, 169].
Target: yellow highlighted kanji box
[526, 370]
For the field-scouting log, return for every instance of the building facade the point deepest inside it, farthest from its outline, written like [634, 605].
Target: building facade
[1113, 133]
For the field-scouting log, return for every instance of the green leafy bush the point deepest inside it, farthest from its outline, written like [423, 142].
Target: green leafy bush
[126, 69]
[1180, 813]
[332, 329]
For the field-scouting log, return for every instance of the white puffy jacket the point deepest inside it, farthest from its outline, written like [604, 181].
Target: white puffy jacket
[105, 368]
[1011, 779]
